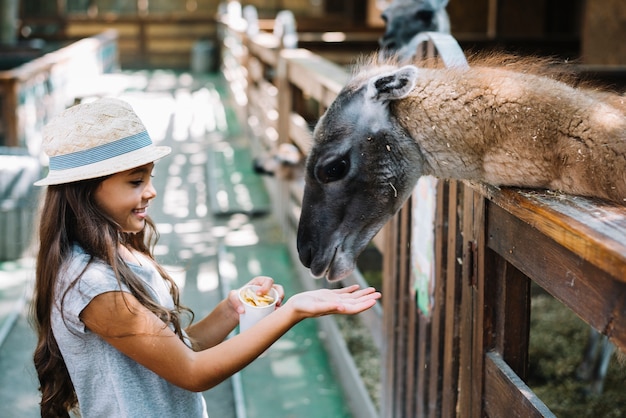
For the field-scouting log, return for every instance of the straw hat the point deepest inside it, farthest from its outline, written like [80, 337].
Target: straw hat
[96, 139]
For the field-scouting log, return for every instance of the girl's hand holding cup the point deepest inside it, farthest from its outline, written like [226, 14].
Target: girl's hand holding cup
[256, 300]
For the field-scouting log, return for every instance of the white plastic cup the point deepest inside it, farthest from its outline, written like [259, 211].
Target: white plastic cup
[254, 314]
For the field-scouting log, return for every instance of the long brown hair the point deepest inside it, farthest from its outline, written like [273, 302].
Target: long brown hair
[71, 216]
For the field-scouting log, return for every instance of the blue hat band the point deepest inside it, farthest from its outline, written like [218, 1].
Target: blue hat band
[100, 152]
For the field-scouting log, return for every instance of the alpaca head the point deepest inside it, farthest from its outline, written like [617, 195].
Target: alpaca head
[406, 18]
[360, 170]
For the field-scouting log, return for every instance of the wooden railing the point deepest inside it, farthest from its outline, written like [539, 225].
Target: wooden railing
[144, 42]
[33, 92]
[464, 352]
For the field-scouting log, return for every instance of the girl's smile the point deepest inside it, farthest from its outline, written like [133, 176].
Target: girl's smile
[141, 212]
[125, 197]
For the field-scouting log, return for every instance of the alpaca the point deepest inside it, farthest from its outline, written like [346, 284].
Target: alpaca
[505, 126]
[404, 19]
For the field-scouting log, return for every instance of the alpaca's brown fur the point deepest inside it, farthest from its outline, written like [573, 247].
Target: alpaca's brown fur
[520, 122]
[510, 129]
[503, 121]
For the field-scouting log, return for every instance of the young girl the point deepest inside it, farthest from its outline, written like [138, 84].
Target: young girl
[111, 335]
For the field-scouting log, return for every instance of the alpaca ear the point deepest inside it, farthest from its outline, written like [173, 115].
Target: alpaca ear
[394, 85]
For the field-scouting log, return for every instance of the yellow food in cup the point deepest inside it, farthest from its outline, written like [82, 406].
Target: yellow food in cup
[251, 298]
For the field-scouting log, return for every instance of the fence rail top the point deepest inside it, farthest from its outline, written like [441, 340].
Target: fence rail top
[41, 64]
[590, 228]
[317, 69]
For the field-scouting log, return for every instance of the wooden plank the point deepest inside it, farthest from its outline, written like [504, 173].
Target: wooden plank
[506, 395]
[255, 69]
[476, 250]
[314, 75]
[263, 106]
[418, 330]
[10, 106]
[415, 338]
[467, 314]
[437, 327]
[451, 365]
[379, 240]
[267, 118]
[403, 386]
[85, 29]
[285, 103]
[269, 92]
[173, 30]
[349, 39]
[593, 229]
[300, 134]
[43, 79]
[564, 274]
[421, 345]
[266, 47]
[390, 290]
[506, 327]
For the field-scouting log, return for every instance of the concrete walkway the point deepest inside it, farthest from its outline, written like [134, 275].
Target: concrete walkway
[216, 233]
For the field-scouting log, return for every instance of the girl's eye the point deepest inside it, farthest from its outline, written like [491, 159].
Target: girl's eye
[143, 179]
[137, 182]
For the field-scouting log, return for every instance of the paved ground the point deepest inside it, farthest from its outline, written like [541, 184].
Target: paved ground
[213, 236]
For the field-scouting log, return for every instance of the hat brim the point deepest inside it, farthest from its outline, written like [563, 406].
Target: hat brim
[106, 167]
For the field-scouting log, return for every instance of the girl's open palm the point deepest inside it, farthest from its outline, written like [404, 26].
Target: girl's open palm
[347, 300]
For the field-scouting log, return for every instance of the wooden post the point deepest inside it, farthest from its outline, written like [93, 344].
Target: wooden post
[603, 33]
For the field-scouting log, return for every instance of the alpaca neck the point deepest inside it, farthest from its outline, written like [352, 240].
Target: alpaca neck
[515, 129]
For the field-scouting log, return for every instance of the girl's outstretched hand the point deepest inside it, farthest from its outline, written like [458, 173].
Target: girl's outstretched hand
[348, 300]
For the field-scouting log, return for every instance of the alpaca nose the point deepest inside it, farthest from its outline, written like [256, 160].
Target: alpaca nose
[305, 254]
[305, 257]
[305, 251]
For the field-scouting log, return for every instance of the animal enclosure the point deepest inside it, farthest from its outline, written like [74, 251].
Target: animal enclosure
[466, 354]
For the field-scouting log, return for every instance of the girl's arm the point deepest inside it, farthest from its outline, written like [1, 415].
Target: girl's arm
[131, 328]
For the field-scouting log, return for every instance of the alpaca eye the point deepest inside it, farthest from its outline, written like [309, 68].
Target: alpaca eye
[425, 15]
[333, 171]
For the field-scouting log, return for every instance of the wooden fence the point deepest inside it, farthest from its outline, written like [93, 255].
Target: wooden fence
[463, 349]
[144, 42]
[37, 90]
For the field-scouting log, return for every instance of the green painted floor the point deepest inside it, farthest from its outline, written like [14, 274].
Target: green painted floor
[235, 188]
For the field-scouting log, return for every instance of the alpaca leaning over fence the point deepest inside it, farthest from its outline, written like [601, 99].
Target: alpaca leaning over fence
[502, 125]
[406, 18]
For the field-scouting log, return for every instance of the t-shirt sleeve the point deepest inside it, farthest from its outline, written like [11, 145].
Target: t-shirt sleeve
[96, 280]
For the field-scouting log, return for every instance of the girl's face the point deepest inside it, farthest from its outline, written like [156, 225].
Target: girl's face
[125, 197]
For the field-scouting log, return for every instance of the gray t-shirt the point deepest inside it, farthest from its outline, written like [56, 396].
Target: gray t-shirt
[107, 382]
